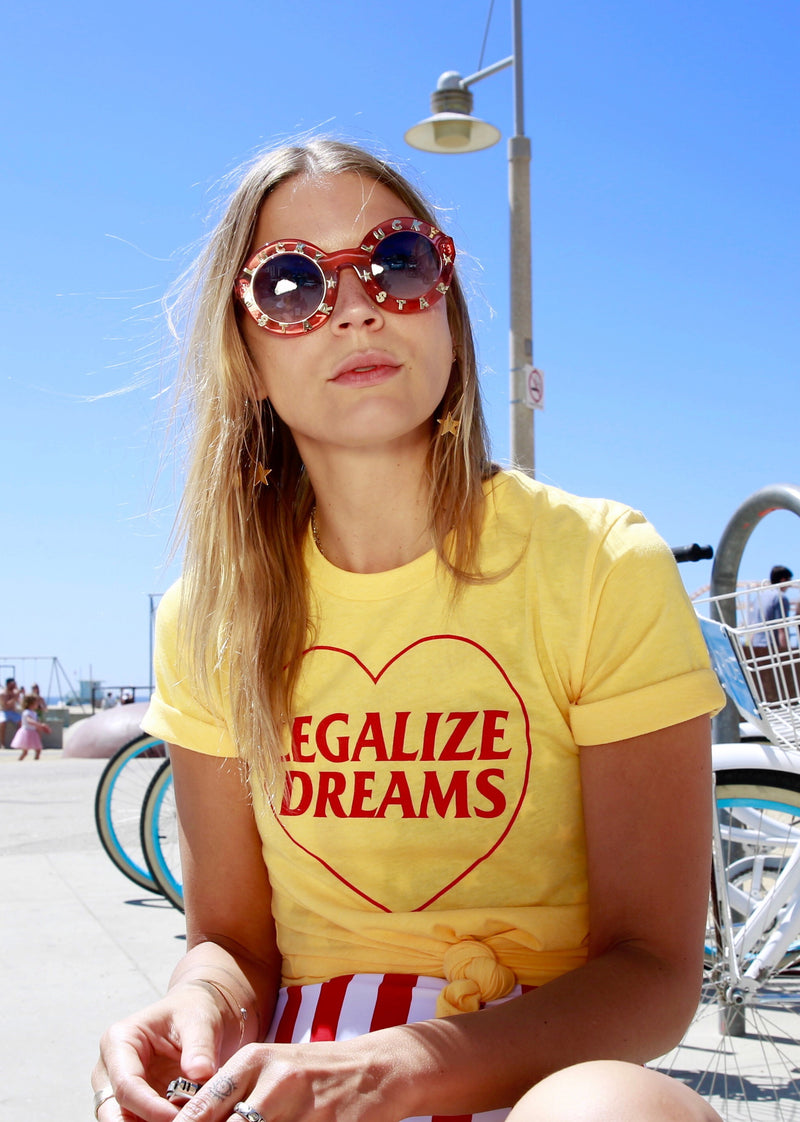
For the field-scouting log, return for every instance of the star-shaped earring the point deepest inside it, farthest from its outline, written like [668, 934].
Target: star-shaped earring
[261, 475]
[449, 424]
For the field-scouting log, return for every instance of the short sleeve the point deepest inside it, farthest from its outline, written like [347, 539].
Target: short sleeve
[179, 712]
[646, 665]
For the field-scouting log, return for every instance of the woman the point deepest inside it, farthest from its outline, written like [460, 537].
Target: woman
[440, 734]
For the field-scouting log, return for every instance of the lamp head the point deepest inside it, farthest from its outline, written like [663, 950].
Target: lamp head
[452, 128]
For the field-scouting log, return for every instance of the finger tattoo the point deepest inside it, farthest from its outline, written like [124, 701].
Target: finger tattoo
[221, 1087]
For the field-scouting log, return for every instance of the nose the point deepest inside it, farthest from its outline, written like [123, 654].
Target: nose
[354, 308]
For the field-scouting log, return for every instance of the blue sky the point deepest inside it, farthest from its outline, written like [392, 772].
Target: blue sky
[665, 230]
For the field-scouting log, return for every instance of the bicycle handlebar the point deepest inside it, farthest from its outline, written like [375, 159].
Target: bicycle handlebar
[692, 552]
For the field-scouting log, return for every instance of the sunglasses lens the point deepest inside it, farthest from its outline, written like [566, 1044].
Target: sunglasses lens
[406, 265]
[288, 288]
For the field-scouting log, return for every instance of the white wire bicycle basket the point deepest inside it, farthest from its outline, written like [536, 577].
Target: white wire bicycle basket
[757, 658]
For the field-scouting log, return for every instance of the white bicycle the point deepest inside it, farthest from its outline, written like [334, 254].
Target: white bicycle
[743, 1040]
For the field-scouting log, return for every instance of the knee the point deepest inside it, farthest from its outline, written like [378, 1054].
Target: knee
[611, 1091]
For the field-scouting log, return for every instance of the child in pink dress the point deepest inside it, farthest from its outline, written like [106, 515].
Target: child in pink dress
[27, 736]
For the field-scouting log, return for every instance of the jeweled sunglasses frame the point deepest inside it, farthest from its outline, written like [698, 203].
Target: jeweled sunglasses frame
[360, 259]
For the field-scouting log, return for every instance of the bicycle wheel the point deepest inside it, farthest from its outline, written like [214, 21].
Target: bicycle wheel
[118, 805]
[159, 836]
[741, 1051]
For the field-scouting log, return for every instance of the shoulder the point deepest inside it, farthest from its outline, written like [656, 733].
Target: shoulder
[171, 614]
[776, 603]
[552, 518]
[169, 606]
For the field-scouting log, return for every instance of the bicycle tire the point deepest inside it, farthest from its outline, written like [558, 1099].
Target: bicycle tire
[118, 806]
[159, 836]
[750, 1064]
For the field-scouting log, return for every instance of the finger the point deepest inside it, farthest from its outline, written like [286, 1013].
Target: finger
[104, 1102]
[200, 1053]
[217, 1098]
[111, 1111]
[140, 1058]
[203, 1038]
[139, 1075]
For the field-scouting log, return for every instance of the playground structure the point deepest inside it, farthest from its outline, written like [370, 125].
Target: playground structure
[64, 703]
[67, 706]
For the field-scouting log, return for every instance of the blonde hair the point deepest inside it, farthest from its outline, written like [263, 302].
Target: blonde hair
[245, 602]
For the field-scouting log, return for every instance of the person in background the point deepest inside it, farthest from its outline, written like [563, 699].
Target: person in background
[9, 711]
[776, 679]
[27, 737]
[439, 733]
[40, 705]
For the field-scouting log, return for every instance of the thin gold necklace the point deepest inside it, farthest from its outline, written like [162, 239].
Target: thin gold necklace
[315, 531]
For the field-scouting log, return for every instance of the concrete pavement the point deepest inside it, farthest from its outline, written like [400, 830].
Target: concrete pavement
[81, 946]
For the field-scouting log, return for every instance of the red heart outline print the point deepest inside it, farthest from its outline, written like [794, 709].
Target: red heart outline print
[474, 660]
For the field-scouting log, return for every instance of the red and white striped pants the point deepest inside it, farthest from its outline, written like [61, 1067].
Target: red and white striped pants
[358, 1003]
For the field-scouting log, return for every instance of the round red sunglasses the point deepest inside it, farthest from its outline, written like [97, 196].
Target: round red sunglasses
[289, 287]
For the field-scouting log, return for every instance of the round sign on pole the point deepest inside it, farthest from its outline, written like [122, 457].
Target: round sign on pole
[534, 388]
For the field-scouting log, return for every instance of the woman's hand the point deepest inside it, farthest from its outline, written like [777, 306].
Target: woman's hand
[183, 1034]
[232, 962]
[359, 1079]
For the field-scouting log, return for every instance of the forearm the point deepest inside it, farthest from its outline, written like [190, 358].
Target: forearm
[648, 861]
[624, 1005]
[229, 926]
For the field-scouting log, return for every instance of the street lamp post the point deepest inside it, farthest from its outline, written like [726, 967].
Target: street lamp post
[453, 129]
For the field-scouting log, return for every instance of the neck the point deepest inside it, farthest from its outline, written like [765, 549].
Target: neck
[371, 512]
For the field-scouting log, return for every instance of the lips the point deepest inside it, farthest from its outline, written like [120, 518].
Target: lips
[366, 367]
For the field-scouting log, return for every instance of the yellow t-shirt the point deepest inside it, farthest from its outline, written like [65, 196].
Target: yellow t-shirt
[430, 822]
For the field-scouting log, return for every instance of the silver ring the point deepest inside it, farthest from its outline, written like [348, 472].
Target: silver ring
[248, 1112]
[100, 1097]
[181, 1090]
